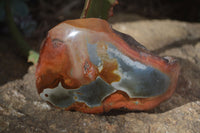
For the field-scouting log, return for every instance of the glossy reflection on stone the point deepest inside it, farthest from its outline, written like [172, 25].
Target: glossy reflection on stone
[87, 66]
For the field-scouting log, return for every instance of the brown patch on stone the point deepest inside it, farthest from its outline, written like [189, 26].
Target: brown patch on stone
[107, 73]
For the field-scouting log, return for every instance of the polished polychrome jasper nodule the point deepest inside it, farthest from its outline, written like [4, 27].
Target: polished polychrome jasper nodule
[87, 66]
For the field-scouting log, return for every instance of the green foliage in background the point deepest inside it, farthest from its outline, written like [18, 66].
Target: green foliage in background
[98, 9]
[9, 9]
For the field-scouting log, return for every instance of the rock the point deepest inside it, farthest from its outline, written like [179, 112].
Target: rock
[156, 34]
[22, 110]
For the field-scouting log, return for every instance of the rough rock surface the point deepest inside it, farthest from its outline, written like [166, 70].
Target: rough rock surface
[22, 110]
[161, 34]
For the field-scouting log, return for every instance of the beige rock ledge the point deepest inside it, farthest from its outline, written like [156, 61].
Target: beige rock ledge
[155, 34]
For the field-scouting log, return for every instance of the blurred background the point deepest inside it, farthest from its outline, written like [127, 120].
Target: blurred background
[35, 17]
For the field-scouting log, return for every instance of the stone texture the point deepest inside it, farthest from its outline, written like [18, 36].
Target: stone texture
[22, 110]
[157, 34]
